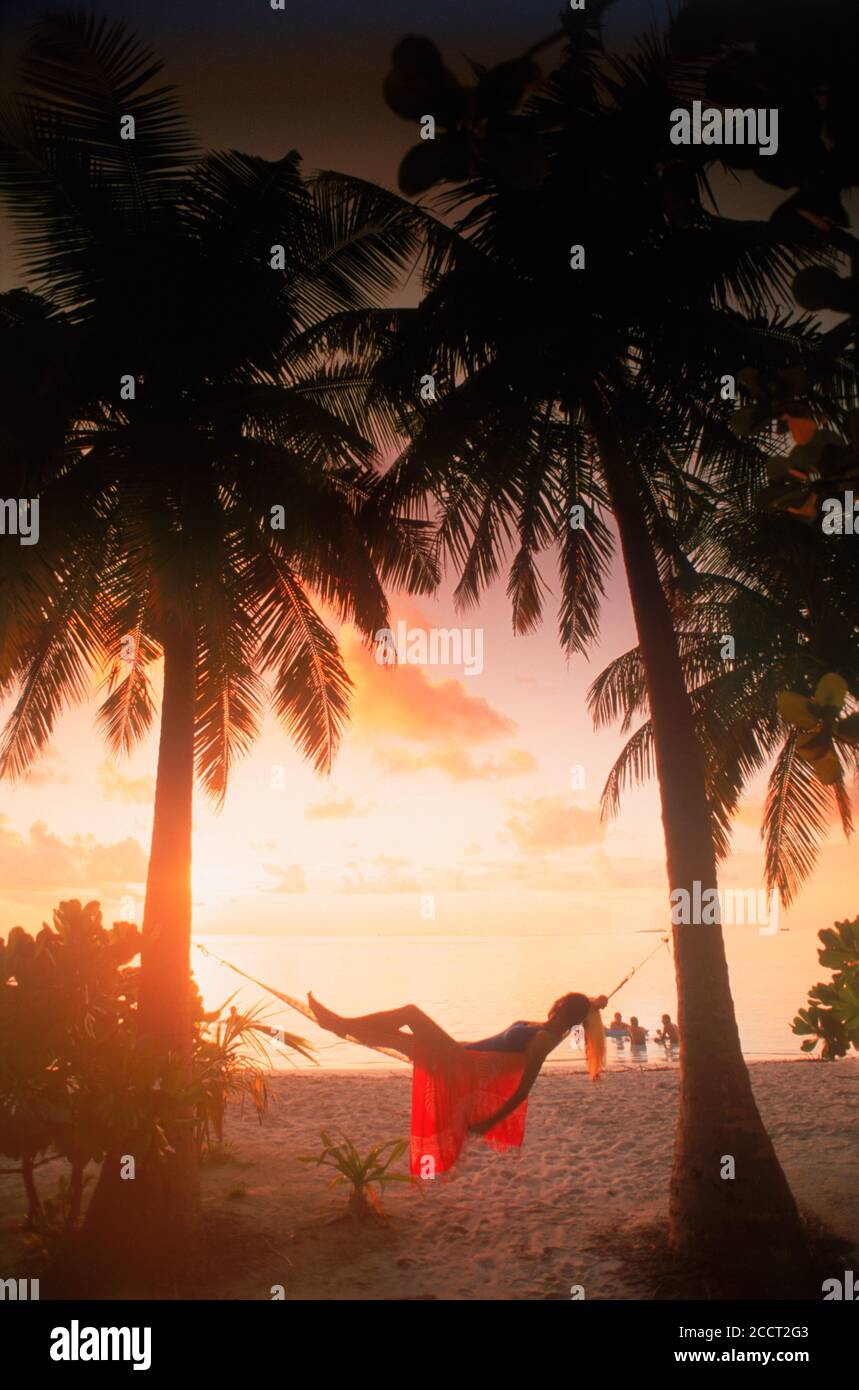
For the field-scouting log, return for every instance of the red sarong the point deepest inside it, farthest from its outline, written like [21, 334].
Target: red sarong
[455, 1088]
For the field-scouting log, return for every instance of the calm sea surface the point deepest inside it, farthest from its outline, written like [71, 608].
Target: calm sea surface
[476, 985]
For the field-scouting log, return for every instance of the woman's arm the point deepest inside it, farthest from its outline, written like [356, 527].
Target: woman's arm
[535, 1055]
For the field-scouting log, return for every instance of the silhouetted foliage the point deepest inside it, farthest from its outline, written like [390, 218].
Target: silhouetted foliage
[76, 1080]
[832, 1016]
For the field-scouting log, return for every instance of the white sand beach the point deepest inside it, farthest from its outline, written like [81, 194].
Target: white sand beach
[593, 1172]
[594, 1166]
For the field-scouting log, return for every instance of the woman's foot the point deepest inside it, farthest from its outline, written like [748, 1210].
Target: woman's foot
[326, 1018]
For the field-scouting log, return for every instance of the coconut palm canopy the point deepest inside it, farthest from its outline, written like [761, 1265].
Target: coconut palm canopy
[595, 284]
[198, 449]
[784, 596]
[532, 348]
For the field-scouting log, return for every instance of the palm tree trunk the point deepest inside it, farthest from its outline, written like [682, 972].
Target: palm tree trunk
[139, 1226]
[746, 1229]
[165, 997]
[172, 1185]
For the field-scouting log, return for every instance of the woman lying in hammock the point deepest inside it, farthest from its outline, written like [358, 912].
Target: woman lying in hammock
[470, 1088]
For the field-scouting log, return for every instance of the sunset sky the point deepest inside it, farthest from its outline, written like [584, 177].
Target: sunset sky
[451, 785]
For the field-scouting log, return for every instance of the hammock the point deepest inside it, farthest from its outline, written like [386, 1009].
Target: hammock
[307, 1012]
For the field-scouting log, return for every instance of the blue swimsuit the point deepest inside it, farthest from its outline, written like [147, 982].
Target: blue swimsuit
[514, 1039]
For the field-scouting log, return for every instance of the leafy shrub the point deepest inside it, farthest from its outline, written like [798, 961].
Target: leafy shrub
[832, 1016]
[66, 1000]
[76, 1082]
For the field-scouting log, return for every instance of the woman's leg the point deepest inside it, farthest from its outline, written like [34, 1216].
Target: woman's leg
[383, 1029]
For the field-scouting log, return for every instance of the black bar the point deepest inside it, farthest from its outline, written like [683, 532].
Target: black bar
[214, 1341]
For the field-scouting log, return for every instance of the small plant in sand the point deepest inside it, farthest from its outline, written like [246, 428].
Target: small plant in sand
[832, 1016]
[220, 1153]
[365, 1174]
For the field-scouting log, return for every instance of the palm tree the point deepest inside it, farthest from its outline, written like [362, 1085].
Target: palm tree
[206, 470]
[569, 395]
[786, 596]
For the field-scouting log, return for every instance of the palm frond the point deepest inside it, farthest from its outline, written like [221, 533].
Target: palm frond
[311, 685]
[90, 74]
[797, 814]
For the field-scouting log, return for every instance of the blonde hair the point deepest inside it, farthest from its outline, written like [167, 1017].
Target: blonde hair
[594, 1042]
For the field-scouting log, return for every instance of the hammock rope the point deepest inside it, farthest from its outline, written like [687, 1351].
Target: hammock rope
[293, 1003]
[663, 941]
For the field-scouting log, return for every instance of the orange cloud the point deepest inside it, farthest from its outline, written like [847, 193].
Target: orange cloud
[45, 861]
[46, 771]
[414, 724]
[116, 787]
[332, 809]
[291, 879]
[456, 763]
[544, 823]
[401, 702]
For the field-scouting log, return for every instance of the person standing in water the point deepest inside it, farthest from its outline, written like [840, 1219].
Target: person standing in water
[637, 1034]
[669, 1033]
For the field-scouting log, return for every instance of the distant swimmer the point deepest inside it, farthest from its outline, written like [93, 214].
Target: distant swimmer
[618, 1025]
[637, 1034]
[669, 1033]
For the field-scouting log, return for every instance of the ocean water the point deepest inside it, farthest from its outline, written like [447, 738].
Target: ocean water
[476, 985]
